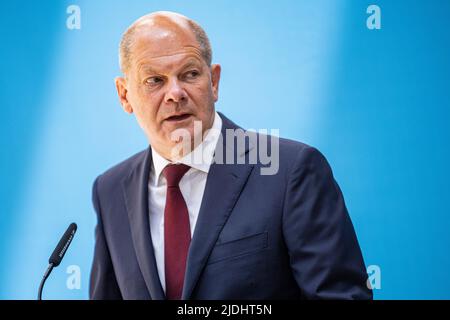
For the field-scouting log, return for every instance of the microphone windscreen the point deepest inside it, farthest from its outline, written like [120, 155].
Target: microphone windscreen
[62, 246]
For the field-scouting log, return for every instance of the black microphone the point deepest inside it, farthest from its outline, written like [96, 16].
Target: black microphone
[58, 254]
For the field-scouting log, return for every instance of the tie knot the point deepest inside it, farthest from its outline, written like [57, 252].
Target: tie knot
[174, 173]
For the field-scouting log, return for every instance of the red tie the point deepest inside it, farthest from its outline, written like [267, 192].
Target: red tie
[177, 232]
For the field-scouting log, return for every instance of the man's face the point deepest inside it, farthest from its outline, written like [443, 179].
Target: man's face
[169, 85]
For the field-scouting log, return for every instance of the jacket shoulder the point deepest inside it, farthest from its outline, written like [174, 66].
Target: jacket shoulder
[295, 153]
[122, 169]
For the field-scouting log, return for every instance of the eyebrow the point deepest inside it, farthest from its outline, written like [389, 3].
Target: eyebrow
[190, 63]
[145, 68]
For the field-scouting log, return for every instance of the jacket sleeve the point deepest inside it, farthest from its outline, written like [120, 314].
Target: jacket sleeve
[103, 284]
[324, 253]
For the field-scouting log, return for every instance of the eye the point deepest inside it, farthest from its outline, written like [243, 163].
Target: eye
[192, 74]
[153, 81]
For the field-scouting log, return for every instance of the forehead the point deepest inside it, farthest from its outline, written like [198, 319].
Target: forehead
[164, 39]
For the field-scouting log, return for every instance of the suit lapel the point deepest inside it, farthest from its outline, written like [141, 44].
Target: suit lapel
[135, 188]
[223, 187]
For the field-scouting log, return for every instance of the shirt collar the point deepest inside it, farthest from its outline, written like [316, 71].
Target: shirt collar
[200, 158]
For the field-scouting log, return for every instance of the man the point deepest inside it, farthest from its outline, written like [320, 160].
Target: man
[170, 227]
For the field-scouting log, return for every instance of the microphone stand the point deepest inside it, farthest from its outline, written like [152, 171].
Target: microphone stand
[44, 278]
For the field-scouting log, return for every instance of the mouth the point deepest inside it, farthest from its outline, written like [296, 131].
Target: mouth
[178, 117]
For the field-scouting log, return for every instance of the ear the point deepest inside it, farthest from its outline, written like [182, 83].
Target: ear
[215, 79]
[122, 91]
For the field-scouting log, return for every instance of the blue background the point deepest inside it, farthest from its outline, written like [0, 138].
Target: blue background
[375, 102]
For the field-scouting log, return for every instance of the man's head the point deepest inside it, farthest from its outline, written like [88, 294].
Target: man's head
[169, 81]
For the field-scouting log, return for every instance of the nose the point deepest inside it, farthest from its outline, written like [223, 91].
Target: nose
[175, 93]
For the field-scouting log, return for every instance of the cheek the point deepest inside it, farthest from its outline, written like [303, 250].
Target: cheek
[203, 96]
[146, 108]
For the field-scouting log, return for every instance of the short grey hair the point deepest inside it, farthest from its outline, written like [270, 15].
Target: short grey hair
[126, 43]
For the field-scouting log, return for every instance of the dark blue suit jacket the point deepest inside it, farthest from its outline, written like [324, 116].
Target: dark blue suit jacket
[283, 236]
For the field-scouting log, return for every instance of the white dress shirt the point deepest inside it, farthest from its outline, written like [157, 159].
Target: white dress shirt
[192, 186]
